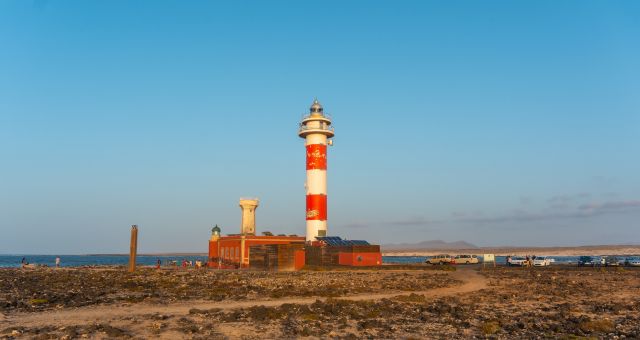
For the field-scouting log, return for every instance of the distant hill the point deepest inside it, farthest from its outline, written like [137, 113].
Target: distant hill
[434, 244]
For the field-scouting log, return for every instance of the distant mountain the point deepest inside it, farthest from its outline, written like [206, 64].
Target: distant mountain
[434, 244]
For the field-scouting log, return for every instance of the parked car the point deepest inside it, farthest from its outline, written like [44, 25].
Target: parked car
[586, 261]
[634, 262]
[517, 261]
[465, 259]
[440, 259]
[611, 261]
[541, 261]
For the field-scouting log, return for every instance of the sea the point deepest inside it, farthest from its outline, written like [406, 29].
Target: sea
[149, 260]
[92, 260]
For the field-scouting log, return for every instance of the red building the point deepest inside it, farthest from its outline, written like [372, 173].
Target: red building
[233, 251]
[333, 250]
[357, 258]
[288, 252]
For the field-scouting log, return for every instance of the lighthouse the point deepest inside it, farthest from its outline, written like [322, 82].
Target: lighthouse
[316, 129]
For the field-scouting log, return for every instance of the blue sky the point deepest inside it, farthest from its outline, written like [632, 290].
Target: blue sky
[494, 122]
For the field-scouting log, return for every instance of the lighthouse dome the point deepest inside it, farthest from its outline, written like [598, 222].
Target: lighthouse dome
[316, 107]
[215, 230]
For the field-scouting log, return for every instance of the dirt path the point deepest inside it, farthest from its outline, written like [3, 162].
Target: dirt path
[472, 281]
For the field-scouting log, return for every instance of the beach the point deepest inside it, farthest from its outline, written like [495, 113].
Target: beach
[392, 302]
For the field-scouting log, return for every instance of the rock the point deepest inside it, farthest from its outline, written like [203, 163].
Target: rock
[158, 325]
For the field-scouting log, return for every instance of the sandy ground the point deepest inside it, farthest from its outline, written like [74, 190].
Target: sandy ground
[424, 303]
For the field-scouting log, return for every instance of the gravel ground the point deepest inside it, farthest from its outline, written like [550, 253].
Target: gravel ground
[558, 302]
[42, 289]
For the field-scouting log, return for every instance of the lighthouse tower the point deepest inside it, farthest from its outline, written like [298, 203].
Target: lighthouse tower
[316, 129]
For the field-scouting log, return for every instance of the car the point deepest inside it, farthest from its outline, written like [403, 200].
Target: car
[541, 261]
[465, 259]
[586, 261]
[632, 262]
[440, 259]
[612, 261]
[516, 261]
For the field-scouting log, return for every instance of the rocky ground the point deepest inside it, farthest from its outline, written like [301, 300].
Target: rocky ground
[42, 289]
[555, 302]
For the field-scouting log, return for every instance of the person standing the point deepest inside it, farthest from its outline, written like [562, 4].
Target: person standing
[158, 264]
[57, 261]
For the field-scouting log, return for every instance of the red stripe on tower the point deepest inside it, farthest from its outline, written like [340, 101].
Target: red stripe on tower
[317, 207]
[316, 157]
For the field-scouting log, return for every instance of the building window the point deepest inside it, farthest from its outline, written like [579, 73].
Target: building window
[237, 252]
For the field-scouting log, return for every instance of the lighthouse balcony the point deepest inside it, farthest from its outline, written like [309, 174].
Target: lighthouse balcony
[322, 117]
[324, 129]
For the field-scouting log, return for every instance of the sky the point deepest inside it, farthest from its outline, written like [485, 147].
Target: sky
[493, 122]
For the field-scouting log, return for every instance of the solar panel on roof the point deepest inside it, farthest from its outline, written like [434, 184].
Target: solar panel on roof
[338, 241]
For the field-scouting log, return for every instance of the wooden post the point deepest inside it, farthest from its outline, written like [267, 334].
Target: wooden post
[133, 251]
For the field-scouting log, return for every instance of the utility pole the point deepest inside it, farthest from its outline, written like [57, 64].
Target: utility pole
[133, 250]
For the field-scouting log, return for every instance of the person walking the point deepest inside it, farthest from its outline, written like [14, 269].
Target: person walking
[57, 261]
[158, 263]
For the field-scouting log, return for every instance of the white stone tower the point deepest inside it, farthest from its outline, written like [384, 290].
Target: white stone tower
[316, 129]
[248, 206]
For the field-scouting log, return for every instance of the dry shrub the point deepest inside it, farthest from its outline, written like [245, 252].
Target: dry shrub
[38, 301]
[490, 327]
[597, 326]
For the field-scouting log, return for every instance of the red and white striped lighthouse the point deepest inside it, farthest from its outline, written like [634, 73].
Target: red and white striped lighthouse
[316, 129]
